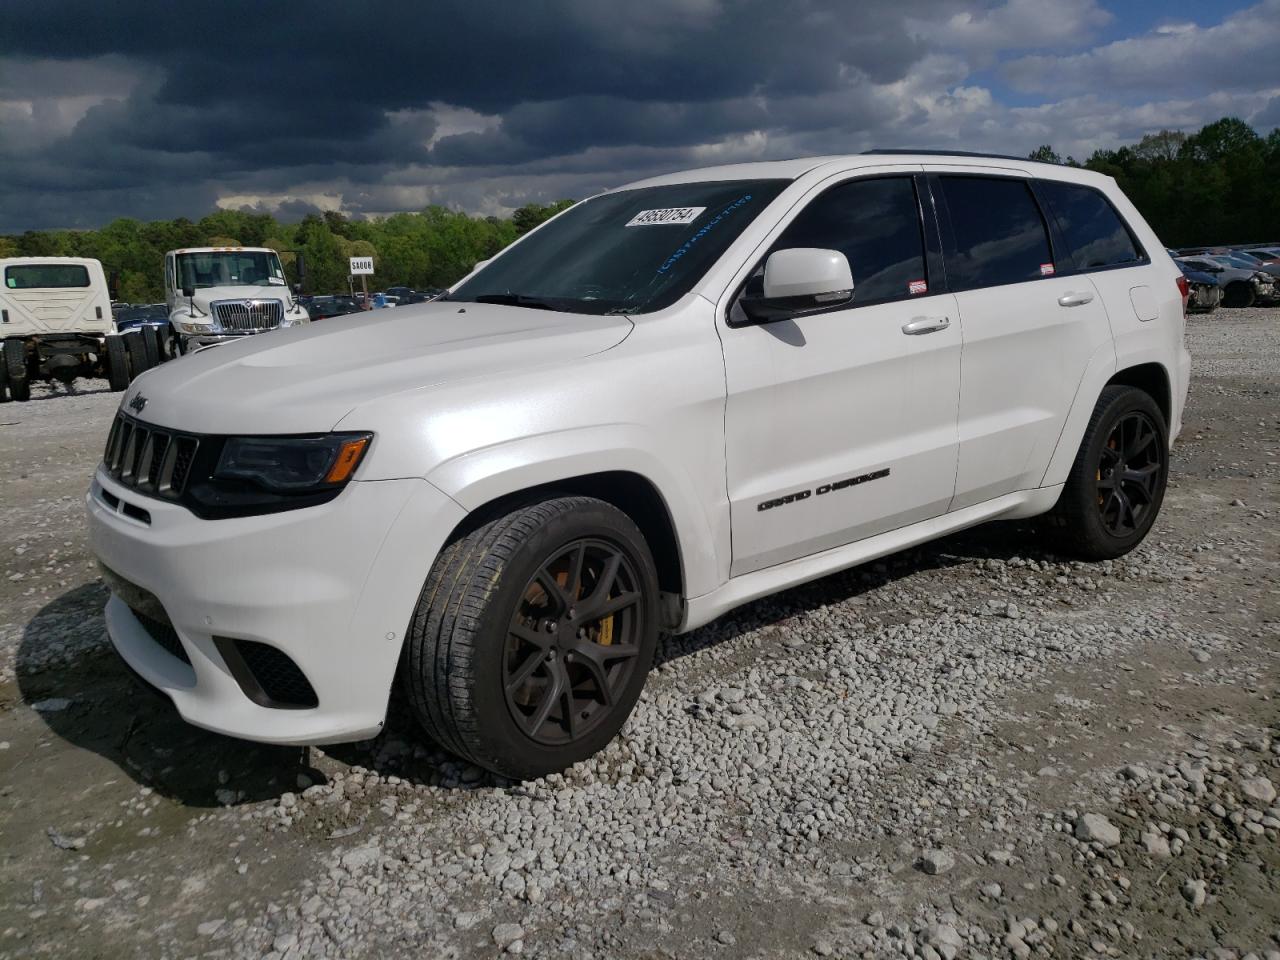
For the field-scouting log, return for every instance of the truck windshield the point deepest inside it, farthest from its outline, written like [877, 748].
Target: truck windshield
[227, 268]
[634, 251]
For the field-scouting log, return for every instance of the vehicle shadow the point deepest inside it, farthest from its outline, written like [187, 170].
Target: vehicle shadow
[54, 390]
[116, 716]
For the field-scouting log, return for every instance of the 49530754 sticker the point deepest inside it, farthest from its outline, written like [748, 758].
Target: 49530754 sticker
[665, 215]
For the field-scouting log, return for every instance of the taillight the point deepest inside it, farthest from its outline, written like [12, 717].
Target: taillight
[1184, 288]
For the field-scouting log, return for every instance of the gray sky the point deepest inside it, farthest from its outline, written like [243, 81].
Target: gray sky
[153, 110]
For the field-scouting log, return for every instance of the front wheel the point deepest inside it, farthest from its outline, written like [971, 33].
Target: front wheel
[533, 636]
[1117, 483]
[115, 362]
[137, 350]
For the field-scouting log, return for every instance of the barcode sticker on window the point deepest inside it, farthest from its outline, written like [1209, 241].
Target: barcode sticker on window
[1046, 269]
[917, 287]
[647, 218]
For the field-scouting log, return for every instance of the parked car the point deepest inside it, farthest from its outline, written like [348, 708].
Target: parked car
[1265, 254]
[321, 308]
[671, 399]
[1241, 286]
[1206, 293]
[1246, 261]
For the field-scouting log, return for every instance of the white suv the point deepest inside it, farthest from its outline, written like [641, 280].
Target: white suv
[668, 400]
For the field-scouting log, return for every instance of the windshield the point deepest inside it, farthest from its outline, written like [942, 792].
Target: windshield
[634, 251]
[227, 268]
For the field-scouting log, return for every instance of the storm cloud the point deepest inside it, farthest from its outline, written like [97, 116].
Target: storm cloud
[151, 110]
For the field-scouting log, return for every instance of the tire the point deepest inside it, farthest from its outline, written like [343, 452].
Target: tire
[116, 363]
[15, 364]
[1097, 518]
[1239, 294]
[137, 352]
[164, 337]
[479, 627]
[151, 344]
[4, 383]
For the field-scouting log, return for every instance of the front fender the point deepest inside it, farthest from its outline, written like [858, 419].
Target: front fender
[481, 476]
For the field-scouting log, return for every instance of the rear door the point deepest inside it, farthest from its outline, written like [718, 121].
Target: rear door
[1029, 333]
[841, 424]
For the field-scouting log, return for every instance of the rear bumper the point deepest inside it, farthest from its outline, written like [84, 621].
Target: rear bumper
[333, 587]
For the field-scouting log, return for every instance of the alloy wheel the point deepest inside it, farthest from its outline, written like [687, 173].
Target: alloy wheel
[1130, 471]
[573, 641]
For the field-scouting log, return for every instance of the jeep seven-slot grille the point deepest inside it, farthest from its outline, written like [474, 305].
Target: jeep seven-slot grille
[152, 460]
[248, 315]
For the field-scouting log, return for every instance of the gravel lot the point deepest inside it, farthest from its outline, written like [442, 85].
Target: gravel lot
[967, 750]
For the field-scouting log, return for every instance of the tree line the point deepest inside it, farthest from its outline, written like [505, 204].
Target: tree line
[431, 248]
[1217, 185]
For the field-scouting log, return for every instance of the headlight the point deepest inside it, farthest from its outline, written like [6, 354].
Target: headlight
[243, 476]
[196, 327]
[290, 464]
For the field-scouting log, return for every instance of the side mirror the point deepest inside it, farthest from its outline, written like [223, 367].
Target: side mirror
[297, 289]
[188, 292]
[799, 281]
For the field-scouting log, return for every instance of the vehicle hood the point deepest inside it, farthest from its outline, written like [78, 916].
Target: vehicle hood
[305, 379]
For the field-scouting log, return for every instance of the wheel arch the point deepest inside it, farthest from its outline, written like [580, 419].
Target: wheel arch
[633, 494]
[1153, 379]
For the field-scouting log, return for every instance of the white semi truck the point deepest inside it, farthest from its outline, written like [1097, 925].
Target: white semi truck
[216, 294]
[56, 324]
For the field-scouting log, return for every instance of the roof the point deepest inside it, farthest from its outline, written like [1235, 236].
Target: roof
[796, 168]
[222, 250]
[87, 261]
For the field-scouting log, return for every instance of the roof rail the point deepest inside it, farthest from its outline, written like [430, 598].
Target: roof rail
[948, 153]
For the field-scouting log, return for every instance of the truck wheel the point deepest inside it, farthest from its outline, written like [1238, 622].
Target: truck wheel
[533, 635]
[4, 383]
[151, 344]
[116, 363]
[1239, 294]
[15, 364]
[137, 351]
[1117, 483]
[164, 340]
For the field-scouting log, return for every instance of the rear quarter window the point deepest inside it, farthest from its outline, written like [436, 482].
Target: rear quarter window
[1095, 235]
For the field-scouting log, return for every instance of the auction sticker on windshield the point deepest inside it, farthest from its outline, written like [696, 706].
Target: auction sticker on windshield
[647, 218]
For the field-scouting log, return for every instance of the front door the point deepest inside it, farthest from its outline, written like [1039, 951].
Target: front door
[842, 424]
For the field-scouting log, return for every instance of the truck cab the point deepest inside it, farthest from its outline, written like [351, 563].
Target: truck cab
[56, 324]
[216, 294]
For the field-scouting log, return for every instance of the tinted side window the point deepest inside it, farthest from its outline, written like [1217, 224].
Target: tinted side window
[999, 234]
[1095, 234]
[876, 224]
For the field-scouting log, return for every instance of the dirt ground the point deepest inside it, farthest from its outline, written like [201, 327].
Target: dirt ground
[126, 832]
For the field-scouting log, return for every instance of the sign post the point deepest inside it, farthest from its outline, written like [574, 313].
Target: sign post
[362, 267]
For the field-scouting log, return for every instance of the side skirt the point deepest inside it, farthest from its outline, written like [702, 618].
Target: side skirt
[761, 583]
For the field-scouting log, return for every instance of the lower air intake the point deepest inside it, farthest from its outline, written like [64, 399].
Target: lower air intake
[267, 675]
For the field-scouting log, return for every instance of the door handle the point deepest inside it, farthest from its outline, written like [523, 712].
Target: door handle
[1075, 299]
[918, 325]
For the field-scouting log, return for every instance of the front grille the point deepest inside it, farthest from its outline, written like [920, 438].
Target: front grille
[149, 459]
[266, 674]
[164, 635]
[248, 316]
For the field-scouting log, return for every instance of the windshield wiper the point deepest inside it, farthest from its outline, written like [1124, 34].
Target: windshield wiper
[516, 300]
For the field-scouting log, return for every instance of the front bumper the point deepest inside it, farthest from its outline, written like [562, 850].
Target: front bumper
[332, 586]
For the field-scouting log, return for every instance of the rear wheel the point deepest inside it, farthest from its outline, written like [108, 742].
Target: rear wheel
[116, 363]
[137, 351]
[151, 344]
[1117, 483]
[533, 636]
[4, 383]
[1239, 294]
[15, 364]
